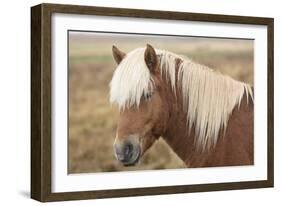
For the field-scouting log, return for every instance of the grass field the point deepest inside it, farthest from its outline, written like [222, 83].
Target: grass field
[92, 120]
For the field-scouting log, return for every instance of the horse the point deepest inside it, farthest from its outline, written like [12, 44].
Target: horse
[206, 117]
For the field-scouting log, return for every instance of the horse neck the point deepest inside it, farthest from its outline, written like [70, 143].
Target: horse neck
[177, 134]
[182, 141]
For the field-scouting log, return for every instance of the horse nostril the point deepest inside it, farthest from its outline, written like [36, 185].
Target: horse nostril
[128, 149]
[127, 152]
[124, 152]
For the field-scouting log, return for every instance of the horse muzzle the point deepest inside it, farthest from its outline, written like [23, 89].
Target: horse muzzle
[127, 151]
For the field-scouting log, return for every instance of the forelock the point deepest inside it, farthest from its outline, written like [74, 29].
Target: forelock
[131, 80]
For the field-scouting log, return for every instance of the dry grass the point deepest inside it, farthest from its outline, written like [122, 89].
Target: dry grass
[92, 120]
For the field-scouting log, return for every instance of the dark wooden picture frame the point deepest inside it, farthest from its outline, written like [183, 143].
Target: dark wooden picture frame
[41, 117]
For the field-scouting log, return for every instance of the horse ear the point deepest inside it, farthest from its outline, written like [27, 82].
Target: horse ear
[117, 54]
[150, 58]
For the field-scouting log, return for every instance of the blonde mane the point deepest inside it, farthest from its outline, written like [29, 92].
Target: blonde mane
[209, 95]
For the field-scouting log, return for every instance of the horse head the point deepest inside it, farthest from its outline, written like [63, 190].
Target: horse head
[138, 89]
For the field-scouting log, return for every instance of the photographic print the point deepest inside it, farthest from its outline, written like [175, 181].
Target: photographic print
[128, 102]
[141, 102]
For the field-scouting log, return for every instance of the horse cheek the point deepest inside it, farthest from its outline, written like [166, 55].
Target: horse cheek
[160, 118]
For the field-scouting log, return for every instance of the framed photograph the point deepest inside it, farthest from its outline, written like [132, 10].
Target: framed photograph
[132, 102]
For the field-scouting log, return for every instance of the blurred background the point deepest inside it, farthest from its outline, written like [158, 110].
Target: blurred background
[92, 120]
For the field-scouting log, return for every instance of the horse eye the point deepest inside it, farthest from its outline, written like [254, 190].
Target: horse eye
[148, 96]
